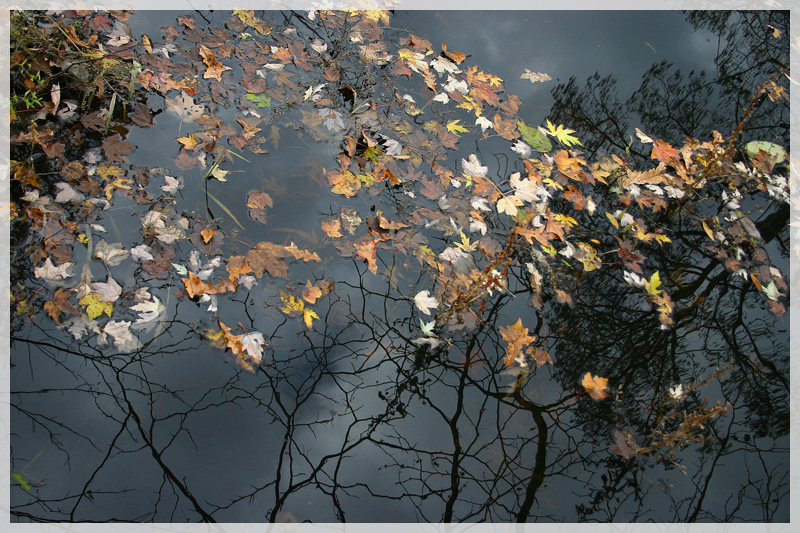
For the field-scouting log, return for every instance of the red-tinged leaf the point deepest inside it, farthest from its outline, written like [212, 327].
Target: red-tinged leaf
[483, 93]
[259, 200]
[575, 196]
[622, 443]
[311, 293]
[569, 166]
[185, 160]
[664, 152]
[431, 189]
[61, 304]
[233, 342]
[367, 249]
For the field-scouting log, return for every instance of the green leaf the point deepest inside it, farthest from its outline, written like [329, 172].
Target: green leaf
[534, 137]
[259, 99]
[21, 481]
[752, 149]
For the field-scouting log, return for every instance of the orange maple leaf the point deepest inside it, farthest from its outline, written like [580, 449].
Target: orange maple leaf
[195, 286]
[595, 386]
[517, 338]
[664, 151]
[234, 341]
[215, 68]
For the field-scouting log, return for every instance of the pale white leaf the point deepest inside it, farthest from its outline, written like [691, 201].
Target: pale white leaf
[48, 271]
[427, 327]
[142, 253]
[119, 35]
[393, 147]
[67, 194]
[477, 225]
[535, 76]
[183, 105]
[110, 254]
[149, 311]
[247, 281]
[252, 345]
[425, 302]
[120, 331]
[484, 123]
[172, 184]
[508, 204]
[109, 290]
[643, 137]
[442, 65]
[522, 148]
[453, 254]
[318, 46]
[430, 341]
[481, 203]
[473, 167]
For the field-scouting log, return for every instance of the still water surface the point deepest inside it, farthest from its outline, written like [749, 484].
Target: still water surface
[344, 422]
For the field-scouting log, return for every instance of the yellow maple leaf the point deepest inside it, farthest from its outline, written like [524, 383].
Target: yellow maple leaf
[562, 134]
[470, 104]
[494, 81]
[291, 304]
[455, 128]
[653, 284]
[661, 238]
[94, 307]
[308, 317]
[466, 245]
[566, 219]
[595, 386]
[374, 15]
[189, 141]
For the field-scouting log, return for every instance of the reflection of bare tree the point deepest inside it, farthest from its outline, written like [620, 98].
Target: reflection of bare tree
[354, 420]
[672, 104]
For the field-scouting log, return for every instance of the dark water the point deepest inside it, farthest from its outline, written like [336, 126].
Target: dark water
[349, 420]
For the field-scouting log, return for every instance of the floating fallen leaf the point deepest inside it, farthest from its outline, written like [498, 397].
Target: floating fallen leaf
[109, 290]
[94, 307]
[562, 134]
[48, 271]
[207, 235]
[425, 302]
[595, 386]
[535, 76]
[183, 105]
